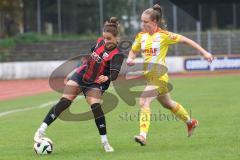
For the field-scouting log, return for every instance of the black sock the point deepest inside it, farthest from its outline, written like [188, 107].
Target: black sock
[56, 110]
[99, 118]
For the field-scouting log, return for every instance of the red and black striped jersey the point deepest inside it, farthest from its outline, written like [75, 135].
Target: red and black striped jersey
[101, 62]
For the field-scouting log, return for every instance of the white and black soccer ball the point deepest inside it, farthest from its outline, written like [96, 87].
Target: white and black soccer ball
[45, 147]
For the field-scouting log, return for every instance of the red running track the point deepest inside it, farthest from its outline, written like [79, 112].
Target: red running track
[10, 89]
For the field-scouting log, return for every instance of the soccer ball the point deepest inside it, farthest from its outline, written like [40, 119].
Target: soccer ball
[45, 147]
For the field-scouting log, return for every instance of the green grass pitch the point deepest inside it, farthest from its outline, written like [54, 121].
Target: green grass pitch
[214, 101]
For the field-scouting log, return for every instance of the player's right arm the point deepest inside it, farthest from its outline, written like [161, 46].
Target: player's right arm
[136, 48]
[131, 58]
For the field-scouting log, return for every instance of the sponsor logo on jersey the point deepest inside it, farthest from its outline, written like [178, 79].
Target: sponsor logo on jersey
[105, 55]
[96, 57]
[150, 51]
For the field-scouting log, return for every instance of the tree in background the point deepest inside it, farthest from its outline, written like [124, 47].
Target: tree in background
[11, 17]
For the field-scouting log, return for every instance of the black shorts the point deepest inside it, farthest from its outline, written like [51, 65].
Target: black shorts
[78, 78]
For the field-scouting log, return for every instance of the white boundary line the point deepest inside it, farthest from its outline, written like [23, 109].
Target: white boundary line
[44, 105]
[39, 106]
[27, 109]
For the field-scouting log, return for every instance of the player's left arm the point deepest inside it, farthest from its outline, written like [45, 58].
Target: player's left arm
[208, 56]
[115, 66]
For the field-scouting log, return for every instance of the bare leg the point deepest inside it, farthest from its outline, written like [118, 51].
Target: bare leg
[71, 91]
[179, 111]
[148, 95]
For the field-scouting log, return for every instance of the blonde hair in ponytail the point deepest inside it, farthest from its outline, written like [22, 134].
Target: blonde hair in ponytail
[156, 13]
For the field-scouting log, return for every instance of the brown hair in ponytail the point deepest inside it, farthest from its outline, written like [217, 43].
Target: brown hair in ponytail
[112, 26]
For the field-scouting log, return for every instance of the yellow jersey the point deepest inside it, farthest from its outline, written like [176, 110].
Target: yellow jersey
[154, 47]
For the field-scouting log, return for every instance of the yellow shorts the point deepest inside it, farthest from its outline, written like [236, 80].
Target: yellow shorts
[161, 82]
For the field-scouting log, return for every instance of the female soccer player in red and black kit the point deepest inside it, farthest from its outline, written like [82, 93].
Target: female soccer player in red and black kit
[92, 78]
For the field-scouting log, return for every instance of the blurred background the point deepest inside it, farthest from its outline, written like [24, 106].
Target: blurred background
[37, 36]
[213, 25]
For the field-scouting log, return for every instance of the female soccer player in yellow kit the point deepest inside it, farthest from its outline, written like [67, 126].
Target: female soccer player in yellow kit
[153, 43]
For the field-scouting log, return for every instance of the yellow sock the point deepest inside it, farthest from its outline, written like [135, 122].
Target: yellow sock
[181, 113]
[145, 118]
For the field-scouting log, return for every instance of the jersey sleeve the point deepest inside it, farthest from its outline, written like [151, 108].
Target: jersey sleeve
[136, 46]
[115, 66]
[172, 38]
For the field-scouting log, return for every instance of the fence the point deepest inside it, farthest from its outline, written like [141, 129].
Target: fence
[217, 42]
[199, 22]
[87, 16]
